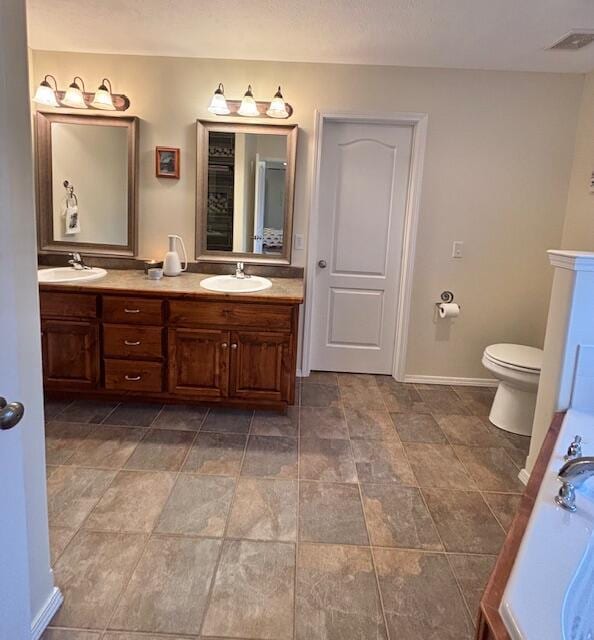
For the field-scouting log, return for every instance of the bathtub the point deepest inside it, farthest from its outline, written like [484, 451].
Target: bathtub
[550, 592]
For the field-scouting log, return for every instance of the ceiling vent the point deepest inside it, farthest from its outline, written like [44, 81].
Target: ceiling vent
[574, 40]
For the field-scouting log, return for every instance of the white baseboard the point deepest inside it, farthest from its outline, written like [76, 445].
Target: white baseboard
[43, 618]
[299, 374]
[524, 476]
[462, 382]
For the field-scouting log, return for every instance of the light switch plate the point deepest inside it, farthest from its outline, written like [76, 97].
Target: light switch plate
[299, 242]
[458, 249]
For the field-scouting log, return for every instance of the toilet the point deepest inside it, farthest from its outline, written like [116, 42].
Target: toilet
[518, 370]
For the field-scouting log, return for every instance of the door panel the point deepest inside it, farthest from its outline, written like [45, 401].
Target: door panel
[70, 353]
[260, 365]
[364, 176]
[198, 362]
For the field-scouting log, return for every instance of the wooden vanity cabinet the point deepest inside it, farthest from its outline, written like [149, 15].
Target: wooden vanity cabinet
[170, 349]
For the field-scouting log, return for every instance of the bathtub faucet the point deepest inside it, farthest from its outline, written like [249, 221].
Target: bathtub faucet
[573, 474]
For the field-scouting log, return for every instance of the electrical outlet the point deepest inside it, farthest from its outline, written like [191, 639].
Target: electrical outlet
[458, 249]
[299, 243]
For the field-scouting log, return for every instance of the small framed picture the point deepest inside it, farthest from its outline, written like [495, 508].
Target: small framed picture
[167, 162]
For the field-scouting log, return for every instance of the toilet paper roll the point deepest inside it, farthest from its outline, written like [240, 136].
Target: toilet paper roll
[449, 310]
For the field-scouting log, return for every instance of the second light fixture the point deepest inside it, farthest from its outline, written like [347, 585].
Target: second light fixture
[248, 107]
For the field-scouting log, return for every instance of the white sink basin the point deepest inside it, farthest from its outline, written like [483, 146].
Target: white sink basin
[231, 284]
[59, 275]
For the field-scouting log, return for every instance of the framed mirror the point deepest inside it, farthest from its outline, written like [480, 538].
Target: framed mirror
[245, 190]
[86, 169]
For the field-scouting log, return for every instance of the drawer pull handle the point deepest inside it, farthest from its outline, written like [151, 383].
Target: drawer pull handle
[133, 378]
[224, 345]
[129, 343]
[131, 310]
[234, 346]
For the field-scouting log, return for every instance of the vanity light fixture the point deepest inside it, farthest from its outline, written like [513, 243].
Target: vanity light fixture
[74, 95]
[218, 104]
[248, 107]
[45, 95]
[277, 107]
[103, 99]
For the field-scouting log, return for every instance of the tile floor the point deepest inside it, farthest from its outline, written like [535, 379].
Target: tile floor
[372, 510]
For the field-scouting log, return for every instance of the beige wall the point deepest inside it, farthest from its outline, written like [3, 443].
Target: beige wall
[578, 233]
[497, 167]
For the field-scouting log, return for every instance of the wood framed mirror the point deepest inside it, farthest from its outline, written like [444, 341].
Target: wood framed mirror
[245, 192]
[87, 184]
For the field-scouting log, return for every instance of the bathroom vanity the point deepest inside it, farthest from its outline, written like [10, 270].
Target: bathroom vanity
[125, 336]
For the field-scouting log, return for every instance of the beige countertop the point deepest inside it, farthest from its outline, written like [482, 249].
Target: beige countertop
[286, 290]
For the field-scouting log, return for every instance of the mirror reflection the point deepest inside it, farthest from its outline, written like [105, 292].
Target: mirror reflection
[89, 183]
[246, 193]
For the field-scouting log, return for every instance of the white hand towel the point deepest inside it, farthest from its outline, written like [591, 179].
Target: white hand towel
[72, 221]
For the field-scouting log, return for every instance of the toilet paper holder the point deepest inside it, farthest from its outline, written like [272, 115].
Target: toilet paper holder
[447, 297]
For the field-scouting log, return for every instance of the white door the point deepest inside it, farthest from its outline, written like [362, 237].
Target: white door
[25, 577]
[259, 204]
[363, 187]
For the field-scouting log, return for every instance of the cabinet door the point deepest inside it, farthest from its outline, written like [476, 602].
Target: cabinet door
[199, 363]
[260, 366]
[70, 354]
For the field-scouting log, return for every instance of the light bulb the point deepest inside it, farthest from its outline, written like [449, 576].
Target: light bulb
[277, 108]
[74, 96]
[248, 107]
[218, 104]
[103, 98]
[45, 95]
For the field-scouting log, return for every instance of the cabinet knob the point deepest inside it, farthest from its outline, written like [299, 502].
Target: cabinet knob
[130, 343]
[224, 345]
[234, 346]
[133, 378]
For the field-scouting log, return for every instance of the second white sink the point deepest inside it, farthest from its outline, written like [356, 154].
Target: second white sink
[231, 284]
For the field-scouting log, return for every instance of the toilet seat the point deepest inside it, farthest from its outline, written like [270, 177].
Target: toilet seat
[515, 356]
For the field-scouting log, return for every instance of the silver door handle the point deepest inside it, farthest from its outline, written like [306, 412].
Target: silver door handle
[129, 343]
[11, 413]
[322, 264]
[133, 378]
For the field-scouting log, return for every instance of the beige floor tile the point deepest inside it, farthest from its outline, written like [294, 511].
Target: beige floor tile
[421, 597]
[222, 420]
[268, 456]
[467, 430]
[436, 465]
[381, 462]
[370, 422]
[198, 505]
[418, 427]
[72, 493]
[321, 377]
[464, 521]
[133, 414]
[319, 395]
[264, 509]
[397, 517]
[107, 447]
[330, 512]
[179, 416]
[472, 573]
[325, 459]
[133, 502]
[59, 539]
[161, 450]
[218, 454]
[273, 423]
[91, 573]
[337, 597]
[491, 468]
[169, 588]
[70, 634]
[253, 591]
[323, 422]
[504, 506]
[62, 439]
[88, 411]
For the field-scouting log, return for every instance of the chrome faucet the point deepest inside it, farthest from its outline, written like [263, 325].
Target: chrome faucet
[239, 273]
[573, 474]
[76, 262]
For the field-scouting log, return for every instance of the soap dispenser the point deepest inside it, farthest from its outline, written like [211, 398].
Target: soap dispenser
[171, 262]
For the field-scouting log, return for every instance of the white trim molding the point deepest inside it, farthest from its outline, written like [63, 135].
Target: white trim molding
[43, 618]
[574, 260]
[418, 121]
[524, 476]
[459, 382]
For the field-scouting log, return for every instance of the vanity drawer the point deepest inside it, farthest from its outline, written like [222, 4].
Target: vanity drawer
[124, 310]
[120, 341]
[133, 375]
[231, 314]
[67, 305]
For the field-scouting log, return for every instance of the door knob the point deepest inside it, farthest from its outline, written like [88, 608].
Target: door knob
[11, 414]
[322, 264]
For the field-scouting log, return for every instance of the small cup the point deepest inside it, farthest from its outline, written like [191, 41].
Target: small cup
[154, 273]
[152, 264]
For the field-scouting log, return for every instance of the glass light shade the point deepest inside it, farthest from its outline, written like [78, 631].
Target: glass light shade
[277, 107]
[218, 104]
[45, 95]
[248, 106]
[103, 99]
[74, 97]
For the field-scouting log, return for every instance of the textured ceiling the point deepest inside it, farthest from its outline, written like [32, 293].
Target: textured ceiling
[474, 34]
